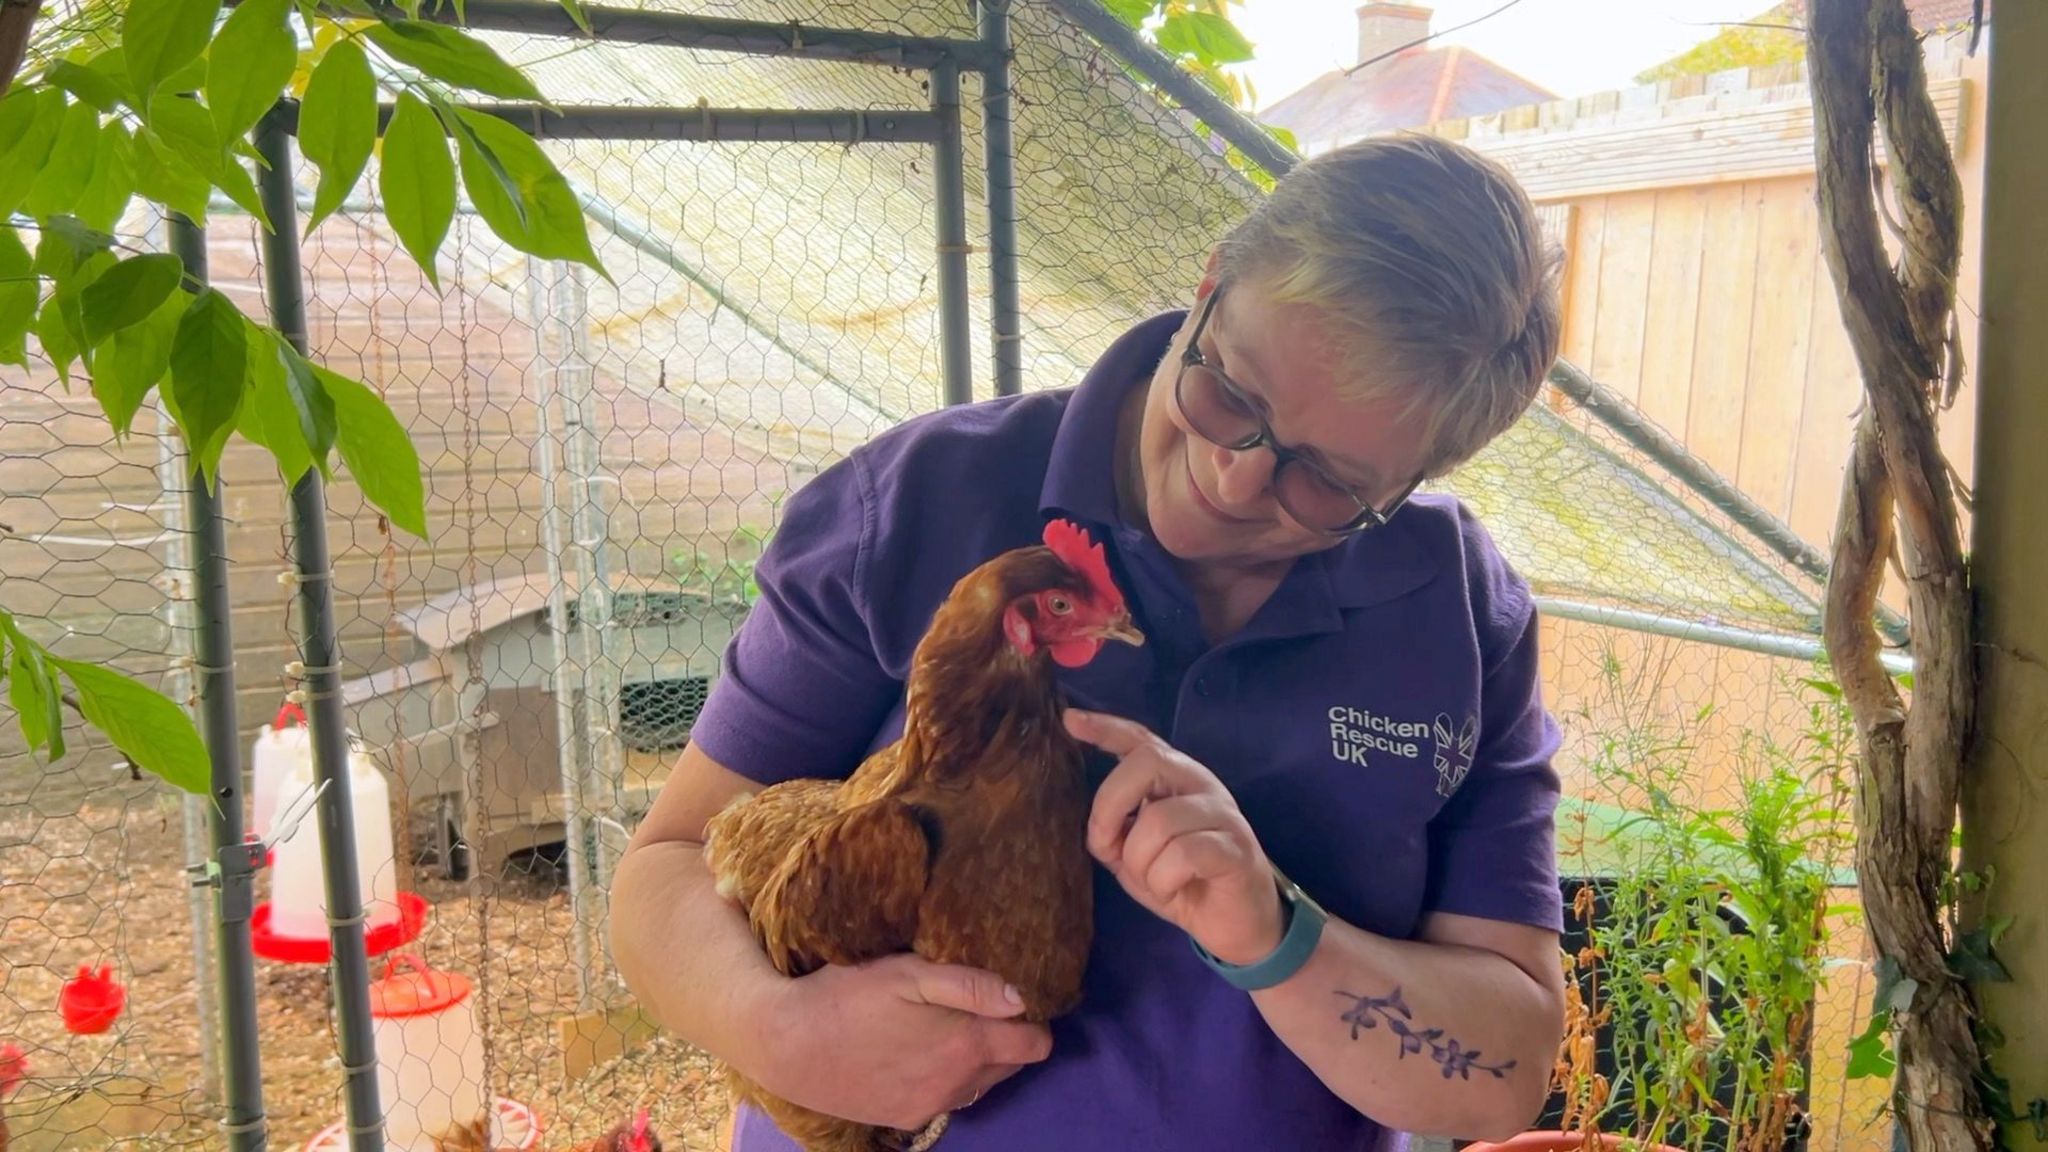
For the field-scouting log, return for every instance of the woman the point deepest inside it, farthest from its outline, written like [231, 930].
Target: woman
[1339, 682]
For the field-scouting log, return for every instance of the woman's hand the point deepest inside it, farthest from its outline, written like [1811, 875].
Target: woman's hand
[1172, 834]
[896, 1041]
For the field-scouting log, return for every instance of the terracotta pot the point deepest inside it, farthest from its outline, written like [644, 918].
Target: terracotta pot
[1554, 1141]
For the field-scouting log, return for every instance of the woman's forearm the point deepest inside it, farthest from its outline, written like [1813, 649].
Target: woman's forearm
[1431, 1038]
[687, 953]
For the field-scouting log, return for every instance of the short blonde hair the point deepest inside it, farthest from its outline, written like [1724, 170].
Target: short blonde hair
[1428, 261]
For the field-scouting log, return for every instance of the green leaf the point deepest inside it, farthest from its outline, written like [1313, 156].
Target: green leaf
[575, 10]
[19, 292]
[29, 691]
[209, 371]
[417, 178]
[184, 126]
[378, 452]
[66, 244]
[338, 125]
[59, 345]
[69, 165]
[240, 187]
[249, 64]
[1973, 960]
[29, 120]
[269, 417]
[164, 178]
[551, 225]
[126, 367]
[113, 182]
[149, 729]
[1217, 40]
[1176, 35]
[1827, 688]
[453, 57]
[87, 83]
[160, 37]
[312, 407]
[127, 293]
[111, 65]
[1131, 12]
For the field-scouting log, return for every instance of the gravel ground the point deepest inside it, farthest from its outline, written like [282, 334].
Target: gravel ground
[104, 884]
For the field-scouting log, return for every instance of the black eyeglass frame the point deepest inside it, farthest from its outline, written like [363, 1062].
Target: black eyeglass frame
[1367, 517]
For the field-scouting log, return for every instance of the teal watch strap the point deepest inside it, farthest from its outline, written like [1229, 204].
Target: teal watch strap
[1305, 920]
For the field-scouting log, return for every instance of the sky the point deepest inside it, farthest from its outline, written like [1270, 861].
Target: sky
[1572, 47]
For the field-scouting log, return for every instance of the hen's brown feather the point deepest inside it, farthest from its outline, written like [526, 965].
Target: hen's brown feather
[962, 842]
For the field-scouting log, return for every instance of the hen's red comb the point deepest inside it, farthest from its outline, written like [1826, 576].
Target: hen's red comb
[1069, 541]
[640, 1128]
[13, 1065]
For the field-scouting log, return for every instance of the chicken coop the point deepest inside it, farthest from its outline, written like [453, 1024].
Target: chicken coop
[818, 218]
[502, 764]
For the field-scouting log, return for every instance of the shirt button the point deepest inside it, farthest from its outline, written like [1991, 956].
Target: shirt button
[1202, 686]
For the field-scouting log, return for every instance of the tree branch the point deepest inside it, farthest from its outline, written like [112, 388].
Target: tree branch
[17, 19]
[1863, 59]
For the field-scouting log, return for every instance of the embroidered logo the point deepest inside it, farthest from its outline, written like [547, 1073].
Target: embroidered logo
[1455, 747]
[1356, 733]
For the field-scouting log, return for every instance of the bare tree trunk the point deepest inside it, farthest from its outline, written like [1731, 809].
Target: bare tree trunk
[1863, 58]
[17, 17]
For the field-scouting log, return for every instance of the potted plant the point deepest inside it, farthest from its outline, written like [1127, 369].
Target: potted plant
[1699, 931]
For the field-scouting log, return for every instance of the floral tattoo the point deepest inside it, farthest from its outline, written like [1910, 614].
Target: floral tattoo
[1369, 1012]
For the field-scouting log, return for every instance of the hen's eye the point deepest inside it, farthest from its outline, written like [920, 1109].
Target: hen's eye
[1059, 604]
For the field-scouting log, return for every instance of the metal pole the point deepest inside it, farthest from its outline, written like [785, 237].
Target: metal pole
[321, 655]
[950, 179]
[751, 125]
[172, 479]
[999, 160]
[613, 25]
[214, 668]
[1606, 406]
[566, 584]
[1234, 126]
[597, 633]
[1744, 639]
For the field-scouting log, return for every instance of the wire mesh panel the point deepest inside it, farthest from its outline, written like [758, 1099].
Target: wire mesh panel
[604, 458]
[97, 941]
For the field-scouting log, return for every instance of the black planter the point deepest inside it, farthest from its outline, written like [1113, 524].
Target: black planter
[1620, 1115]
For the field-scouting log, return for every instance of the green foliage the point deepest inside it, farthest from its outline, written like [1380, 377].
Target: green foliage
[1710, 956]
[149, 729]
[338, 126]
[1774, 37]
[155, 99]
[418, 182]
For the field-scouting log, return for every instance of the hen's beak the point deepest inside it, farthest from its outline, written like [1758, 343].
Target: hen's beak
[1120, 627]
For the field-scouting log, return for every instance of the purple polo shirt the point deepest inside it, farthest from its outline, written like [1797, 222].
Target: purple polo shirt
[1378, 721]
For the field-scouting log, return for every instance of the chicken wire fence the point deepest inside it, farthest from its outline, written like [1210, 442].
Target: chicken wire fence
[604, 460]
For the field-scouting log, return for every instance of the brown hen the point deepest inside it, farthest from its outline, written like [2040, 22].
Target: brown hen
[965, 840]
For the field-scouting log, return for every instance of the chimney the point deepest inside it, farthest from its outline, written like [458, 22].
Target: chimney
[1383, 27]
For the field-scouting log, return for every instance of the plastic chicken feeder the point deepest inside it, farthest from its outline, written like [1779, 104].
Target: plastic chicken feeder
[90, 1001]
[281, 747]
[430, 1054]
[292, 926]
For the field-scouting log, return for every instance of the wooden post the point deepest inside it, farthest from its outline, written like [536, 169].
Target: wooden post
[2005, 824]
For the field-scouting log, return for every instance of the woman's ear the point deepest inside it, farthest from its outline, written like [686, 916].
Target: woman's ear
[1209, 275]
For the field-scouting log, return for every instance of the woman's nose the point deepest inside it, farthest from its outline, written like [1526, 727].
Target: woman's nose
[1242, 477]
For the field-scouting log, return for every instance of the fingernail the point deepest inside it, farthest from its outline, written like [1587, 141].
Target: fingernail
[1011, 994]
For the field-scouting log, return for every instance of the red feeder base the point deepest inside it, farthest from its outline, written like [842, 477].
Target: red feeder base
[412, 918]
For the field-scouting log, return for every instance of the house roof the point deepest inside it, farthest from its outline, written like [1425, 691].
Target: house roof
[1419, 86]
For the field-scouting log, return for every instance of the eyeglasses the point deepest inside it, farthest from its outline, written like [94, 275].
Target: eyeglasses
[1219, 411]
